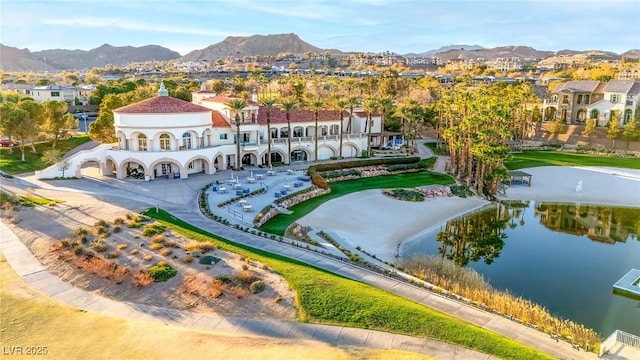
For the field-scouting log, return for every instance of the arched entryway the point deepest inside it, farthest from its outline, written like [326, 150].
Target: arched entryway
[133, 170]
[550, 114]
[276, 157]
[299, 155]
[166, 169]
[250, 159]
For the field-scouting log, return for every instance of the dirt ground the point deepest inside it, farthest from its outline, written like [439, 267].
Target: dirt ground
[42, 229]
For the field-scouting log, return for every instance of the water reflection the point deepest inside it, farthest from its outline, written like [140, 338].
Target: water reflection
[481, 236]
[598, 223]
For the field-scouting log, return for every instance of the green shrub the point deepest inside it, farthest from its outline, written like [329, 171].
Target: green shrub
[208, 260]
[98, 245]
[462, 191]
[153, 229]
[162, 272]
[257, 287]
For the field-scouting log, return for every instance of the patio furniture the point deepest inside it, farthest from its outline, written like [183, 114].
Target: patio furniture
[237, 186]
[246, 190]
[247, 208]
[242, 202]
[277, 194]
[286, 187]
[222, 190]
[214, 188]
[271, 172]
[251, 180]
[290, 172]
[239, 193]
[259, 176]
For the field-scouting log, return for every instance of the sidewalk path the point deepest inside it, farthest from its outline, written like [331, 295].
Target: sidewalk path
[182, 204]
[32, 272]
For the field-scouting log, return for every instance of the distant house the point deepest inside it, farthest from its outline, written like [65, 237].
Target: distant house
[69, 94]
[621, 100]
[576, 101]
[569, 101]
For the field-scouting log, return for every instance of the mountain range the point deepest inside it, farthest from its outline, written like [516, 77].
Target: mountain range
[14, 59]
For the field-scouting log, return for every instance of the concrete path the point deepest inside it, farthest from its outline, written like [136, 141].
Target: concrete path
[179, 198]
[32, 272]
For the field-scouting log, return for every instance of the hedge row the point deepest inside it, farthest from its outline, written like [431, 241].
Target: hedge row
[319, 181]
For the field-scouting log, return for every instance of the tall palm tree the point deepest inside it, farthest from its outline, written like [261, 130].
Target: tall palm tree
[268, 102]
[386, 105]
[371, 105]
[288, 103]
[339, 103]
[315, 104]
[352, 102]
[237, 105]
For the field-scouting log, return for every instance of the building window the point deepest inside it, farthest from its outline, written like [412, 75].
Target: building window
[55, 94]
[298, 131]
[284, 133]
[334, 130]
[223, 137]
[565, 99]
[165, 142]
[274, 133]
[142, 142]
[190, 166]
[186, 140]
[579, 99]
[586, 99]
[614, 98]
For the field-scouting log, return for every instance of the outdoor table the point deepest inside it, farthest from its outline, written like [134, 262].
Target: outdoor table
[291, 171]
[237, 186]
[286, 187]
[259, 176]
[271, 172]
[247, 207]
[242, 202]
[251, 180]
[222, 189]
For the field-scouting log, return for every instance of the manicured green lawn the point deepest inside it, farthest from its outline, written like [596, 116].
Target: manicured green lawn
[280, 222]
[327, 298]
[13, 164]
[556, 158]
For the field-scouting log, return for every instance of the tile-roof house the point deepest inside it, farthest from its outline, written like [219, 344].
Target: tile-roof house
[621, 99]
[569, 101]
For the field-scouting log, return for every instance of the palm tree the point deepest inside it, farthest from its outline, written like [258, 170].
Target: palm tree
[236, 105]
[371, 105]
[386, 104]
[289, 103]
[316, 104]
[339, 103]
[352, 102]
[269, 102]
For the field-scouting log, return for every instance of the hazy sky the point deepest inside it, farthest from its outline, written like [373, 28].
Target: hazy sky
[348, 25]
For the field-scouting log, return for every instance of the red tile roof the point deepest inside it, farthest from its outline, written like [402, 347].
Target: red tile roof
[297, 115]
[224, 98]
[161, 105]
[217, 120]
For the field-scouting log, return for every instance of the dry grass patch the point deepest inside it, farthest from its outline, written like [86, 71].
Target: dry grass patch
[203, 247]
[156, 246]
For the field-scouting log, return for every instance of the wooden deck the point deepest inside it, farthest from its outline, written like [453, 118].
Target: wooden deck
[629, 284]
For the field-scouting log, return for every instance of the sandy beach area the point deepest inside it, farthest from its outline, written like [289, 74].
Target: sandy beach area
[379, 224]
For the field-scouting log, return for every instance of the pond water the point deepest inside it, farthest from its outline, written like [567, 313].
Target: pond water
[565, 257]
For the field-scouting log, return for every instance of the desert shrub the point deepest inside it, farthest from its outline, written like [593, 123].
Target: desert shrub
[246, 277]
[208, 260]
[166, 252]
[161, 272]
[117, 229]
[239, 292]
[187, 259]
[277, 299]
[118, 221]
[147, 258]
[113, 254]
[134, 252]
[257, 287]
[196, 253]
[153, 229]
[142, 279]
[201, 246]
[122, 246]
[245, 267]
[158, 239]
[155, 246]
[226, 279]
[101, 223]
[216, 289]
[98, 245]
[134, 225]
[79, 231]
[171, 243]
